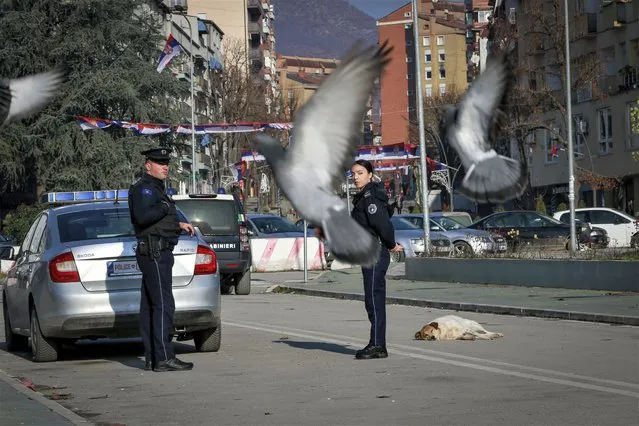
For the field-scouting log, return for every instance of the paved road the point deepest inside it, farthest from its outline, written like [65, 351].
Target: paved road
[288, 359]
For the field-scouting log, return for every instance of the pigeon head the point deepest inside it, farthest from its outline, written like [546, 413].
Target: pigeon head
[270, 148]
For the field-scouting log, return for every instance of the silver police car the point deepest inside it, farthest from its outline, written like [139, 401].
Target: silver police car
[75, 277]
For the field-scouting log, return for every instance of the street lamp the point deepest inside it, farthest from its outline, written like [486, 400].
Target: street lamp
[571, 167]
[422, 136]
[182, 13]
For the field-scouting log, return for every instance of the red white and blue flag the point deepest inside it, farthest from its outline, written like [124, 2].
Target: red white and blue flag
[171, 50]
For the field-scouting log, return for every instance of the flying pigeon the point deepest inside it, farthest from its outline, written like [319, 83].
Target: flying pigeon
[326, 134]
[467, 127]
[22, 97]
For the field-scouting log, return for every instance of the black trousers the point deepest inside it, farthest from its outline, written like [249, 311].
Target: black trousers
[157, 305]
[375, 297]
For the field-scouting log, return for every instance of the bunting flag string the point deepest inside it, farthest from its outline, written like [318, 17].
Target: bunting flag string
[90, 123]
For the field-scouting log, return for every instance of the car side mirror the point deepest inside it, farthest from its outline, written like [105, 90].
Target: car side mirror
[250, 232]
[436, 228]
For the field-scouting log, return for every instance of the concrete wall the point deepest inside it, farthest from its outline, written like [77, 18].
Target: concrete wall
[573, 274]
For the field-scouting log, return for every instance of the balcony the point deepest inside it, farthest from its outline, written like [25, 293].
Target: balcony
[253, 4]
[254, 27]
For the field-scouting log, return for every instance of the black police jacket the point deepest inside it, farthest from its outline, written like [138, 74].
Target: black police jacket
[371, 210]
[153, 212]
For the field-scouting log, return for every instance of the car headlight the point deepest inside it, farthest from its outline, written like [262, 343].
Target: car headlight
[417, 242]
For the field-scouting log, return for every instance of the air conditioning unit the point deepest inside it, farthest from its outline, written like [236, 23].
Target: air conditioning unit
[177, 5]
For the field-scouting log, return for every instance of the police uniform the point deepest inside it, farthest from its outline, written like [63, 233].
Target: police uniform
[155, 220]
[371, 211]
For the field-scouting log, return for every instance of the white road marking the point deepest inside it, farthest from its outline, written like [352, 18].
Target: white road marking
[347, 340]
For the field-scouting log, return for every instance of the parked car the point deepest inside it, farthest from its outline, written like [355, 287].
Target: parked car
[412, 238]
[466, 241]
[76, 277]
[622, 228]
[222, 223]
[272, 226]
[531, 228]
[462, 217]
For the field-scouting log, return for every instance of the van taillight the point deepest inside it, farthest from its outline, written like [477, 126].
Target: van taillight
[205, 261]
[63, 269]
[245, 244]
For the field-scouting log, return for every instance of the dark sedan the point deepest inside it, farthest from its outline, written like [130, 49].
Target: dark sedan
[531, 228]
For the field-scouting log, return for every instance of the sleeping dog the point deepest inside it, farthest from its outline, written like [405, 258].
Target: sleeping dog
[451, 327]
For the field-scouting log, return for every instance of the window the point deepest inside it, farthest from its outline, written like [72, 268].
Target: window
[409, 42]
[409, 59]
[426, 41]
[605, 130]
[407, 26]
[580, 137]
[442, 89]
[429, 73]
[440, 40]
[482, 16]
[550, 144]
[604, 217]
[427, 57]
[442, 73]
[407, 14]
[410, 92]
[409, 76]
[429, 90]
[39, 236]
[410, 109]
[633, 130]
[442, 55]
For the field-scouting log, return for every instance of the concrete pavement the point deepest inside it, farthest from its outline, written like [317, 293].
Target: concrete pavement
[582, 305]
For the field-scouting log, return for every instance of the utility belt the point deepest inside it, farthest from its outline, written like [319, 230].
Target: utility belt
[151, 245]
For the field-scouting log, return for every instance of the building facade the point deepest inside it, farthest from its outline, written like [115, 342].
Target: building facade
[605, 36]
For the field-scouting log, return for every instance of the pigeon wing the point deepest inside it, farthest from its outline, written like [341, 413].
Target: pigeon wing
[476, 112]
[327, 129]
[24, 96]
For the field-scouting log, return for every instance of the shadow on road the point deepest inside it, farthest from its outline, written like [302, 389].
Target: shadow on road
[319, 346]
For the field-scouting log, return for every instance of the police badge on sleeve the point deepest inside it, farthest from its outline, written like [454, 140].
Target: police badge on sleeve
[372, 208]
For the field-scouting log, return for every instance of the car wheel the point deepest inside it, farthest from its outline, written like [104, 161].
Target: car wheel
[243, 285]
[43, 349]
[208, 340]
[397, 257]
[15, 342]
[462, 249]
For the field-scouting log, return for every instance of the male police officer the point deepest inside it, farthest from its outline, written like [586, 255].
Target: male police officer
[157, 228]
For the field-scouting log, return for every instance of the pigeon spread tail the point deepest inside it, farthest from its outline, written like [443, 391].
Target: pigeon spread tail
[494, 178]
[349, 242]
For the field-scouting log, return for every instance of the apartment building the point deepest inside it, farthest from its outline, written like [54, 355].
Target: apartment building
[604, 35]
[251, 23]
[300, 77]
[201, 38]
[441, 55]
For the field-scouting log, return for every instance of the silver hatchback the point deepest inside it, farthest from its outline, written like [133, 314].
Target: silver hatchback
[76, 277]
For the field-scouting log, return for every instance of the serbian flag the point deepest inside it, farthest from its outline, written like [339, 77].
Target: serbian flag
[88, 123]
[171, 50]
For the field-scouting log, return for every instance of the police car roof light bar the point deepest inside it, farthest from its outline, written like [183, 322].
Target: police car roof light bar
[85, 196]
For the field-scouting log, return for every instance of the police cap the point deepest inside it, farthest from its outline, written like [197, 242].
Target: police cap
[158, 155]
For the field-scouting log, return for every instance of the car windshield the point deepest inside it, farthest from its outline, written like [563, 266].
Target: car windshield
[212, 217]
[94, 224]
[448, 224]
[401, 224]
[273, 225]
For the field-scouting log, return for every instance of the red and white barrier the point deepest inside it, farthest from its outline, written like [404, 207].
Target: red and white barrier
[286, 254]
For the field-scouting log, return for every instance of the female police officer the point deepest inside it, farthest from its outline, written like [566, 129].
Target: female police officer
[371, 210]
[157, 228]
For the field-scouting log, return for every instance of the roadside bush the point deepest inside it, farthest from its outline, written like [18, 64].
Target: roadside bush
[541, 206]
[17, 222]
[561, 207]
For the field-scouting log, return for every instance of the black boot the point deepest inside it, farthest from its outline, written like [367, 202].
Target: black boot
[371, 352]
[148, 366]
[173, 364]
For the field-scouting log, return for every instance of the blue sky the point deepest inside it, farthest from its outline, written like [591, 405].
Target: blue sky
[377, 8]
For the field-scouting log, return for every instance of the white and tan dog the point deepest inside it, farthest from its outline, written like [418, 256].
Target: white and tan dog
[451, 327]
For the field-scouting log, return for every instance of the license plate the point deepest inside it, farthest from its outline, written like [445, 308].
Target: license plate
[123, 267]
